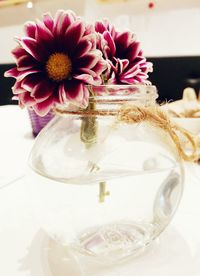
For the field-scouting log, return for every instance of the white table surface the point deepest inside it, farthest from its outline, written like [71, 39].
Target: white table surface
[23, 245]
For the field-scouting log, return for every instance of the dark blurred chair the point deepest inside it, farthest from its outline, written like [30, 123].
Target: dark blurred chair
[5, 86]
[172, 74]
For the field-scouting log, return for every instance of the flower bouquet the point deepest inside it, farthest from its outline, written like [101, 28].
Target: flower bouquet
[59, 57]
[101, 142]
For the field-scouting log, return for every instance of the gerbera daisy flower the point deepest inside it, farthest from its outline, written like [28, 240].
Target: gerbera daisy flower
[122, 51]
[56, 60]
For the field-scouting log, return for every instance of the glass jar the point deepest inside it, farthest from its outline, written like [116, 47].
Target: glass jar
[108, 187]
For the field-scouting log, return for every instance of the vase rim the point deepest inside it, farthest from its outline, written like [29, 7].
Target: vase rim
[107, 99]
[123, 86]
[121, 92]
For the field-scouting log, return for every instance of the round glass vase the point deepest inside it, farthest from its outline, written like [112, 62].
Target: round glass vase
[107, 188]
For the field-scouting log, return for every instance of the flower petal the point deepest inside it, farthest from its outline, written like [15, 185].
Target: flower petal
[31, 46]
[76, 92]
[73, 35]
[86, 71]
[97, 69]
[63, 20]
[30, 29]
[113, 79]
[48, 21]
[18, 52]
[132, 73]
[26, 99]
[103, 26]
[122, 41]
[30, 81]
[123, 64]
[44, 107]
[58, 16]
[88, 79]
[43, 33]
[26, 62]
[100, 67]
[86, 95]
[100, 27]
[62, 94]
[149, 66]
[82, 48]
[17, 88]
[23, 74]
[13, 72]
[87, 61]
[132, 51]
[42, 91]
[111, 44]
[89, 29]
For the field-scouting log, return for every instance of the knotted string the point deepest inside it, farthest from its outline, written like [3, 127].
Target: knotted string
[155, 116]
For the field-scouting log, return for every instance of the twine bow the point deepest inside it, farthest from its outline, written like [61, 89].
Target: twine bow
[155, 116]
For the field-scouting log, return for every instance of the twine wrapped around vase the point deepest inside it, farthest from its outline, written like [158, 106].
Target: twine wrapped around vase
[158, 118]
[136, 113]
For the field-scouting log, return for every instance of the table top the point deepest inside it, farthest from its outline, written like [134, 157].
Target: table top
[23, 250]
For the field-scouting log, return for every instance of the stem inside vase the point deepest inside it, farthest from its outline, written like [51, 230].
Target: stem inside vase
[89, 127]
[89, 135]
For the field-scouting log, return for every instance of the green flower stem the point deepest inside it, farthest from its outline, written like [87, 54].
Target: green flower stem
[89, 127]
[88, 135]
[102, 191]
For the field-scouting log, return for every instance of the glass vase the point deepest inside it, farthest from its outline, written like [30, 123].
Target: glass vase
[108, 188]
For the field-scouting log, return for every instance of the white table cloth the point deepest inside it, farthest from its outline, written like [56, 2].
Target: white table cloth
[25, 249]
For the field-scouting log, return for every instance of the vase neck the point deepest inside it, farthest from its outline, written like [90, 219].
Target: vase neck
[108, 99]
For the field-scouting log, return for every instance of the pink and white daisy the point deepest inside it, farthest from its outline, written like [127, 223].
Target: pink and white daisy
[56, 60]
[121, 50]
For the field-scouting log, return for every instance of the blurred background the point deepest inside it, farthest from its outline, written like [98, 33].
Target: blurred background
[169, 32]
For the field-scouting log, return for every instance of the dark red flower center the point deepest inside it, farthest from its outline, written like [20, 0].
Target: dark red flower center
[59, 66]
